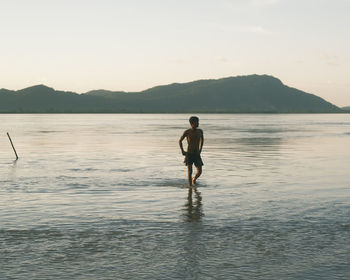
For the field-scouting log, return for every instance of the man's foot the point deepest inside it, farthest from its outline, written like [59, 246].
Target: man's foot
[194, 181]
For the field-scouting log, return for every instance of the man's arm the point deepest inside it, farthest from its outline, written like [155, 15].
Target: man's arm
[201, 141]
[180, 142]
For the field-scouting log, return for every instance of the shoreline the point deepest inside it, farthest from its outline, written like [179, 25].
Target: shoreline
[189, 112]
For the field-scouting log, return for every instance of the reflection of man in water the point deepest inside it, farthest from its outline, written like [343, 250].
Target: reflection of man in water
[194, 209]
[195, 141]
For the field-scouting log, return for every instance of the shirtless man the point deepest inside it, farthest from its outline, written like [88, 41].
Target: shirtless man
[195, 141]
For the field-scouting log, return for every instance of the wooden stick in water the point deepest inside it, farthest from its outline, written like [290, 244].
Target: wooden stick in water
[13, 147]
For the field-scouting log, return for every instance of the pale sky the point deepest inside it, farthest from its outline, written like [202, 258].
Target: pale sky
[132, 45]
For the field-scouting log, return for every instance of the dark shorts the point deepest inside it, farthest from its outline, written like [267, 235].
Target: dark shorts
[193, 159]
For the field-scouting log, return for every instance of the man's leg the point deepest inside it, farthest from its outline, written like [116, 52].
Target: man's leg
[189, 174]
[199, 172]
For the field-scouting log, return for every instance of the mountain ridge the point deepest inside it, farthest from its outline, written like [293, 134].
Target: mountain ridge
[240, 94]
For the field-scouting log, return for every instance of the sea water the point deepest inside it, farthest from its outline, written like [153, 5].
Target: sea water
[105, 196]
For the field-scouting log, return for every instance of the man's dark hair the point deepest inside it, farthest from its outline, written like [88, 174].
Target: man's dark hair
[194, 119]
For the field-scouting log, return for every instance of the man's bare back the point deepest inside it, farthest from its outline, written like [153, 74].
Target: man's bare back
[193, 137]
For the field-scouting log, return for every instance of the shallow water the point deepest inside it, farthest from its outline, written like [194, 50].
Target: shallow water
[105, 197]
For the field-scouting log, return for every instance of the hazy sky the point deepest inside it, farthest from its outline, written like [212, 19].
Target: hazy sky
[132, 45]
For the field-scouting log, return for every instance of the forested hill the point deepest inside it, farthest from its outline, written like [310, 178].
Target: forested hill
[241, 94]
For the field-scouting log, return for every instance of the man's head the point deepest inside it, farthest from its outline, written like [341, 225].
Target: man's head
[194, 121]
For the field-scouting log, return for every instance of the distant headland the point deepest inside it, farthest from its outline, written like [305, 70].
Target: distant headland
[241, 94]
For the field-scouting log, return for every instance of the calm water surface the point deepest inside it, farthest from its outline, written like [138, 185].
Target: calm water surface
[105, 197]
